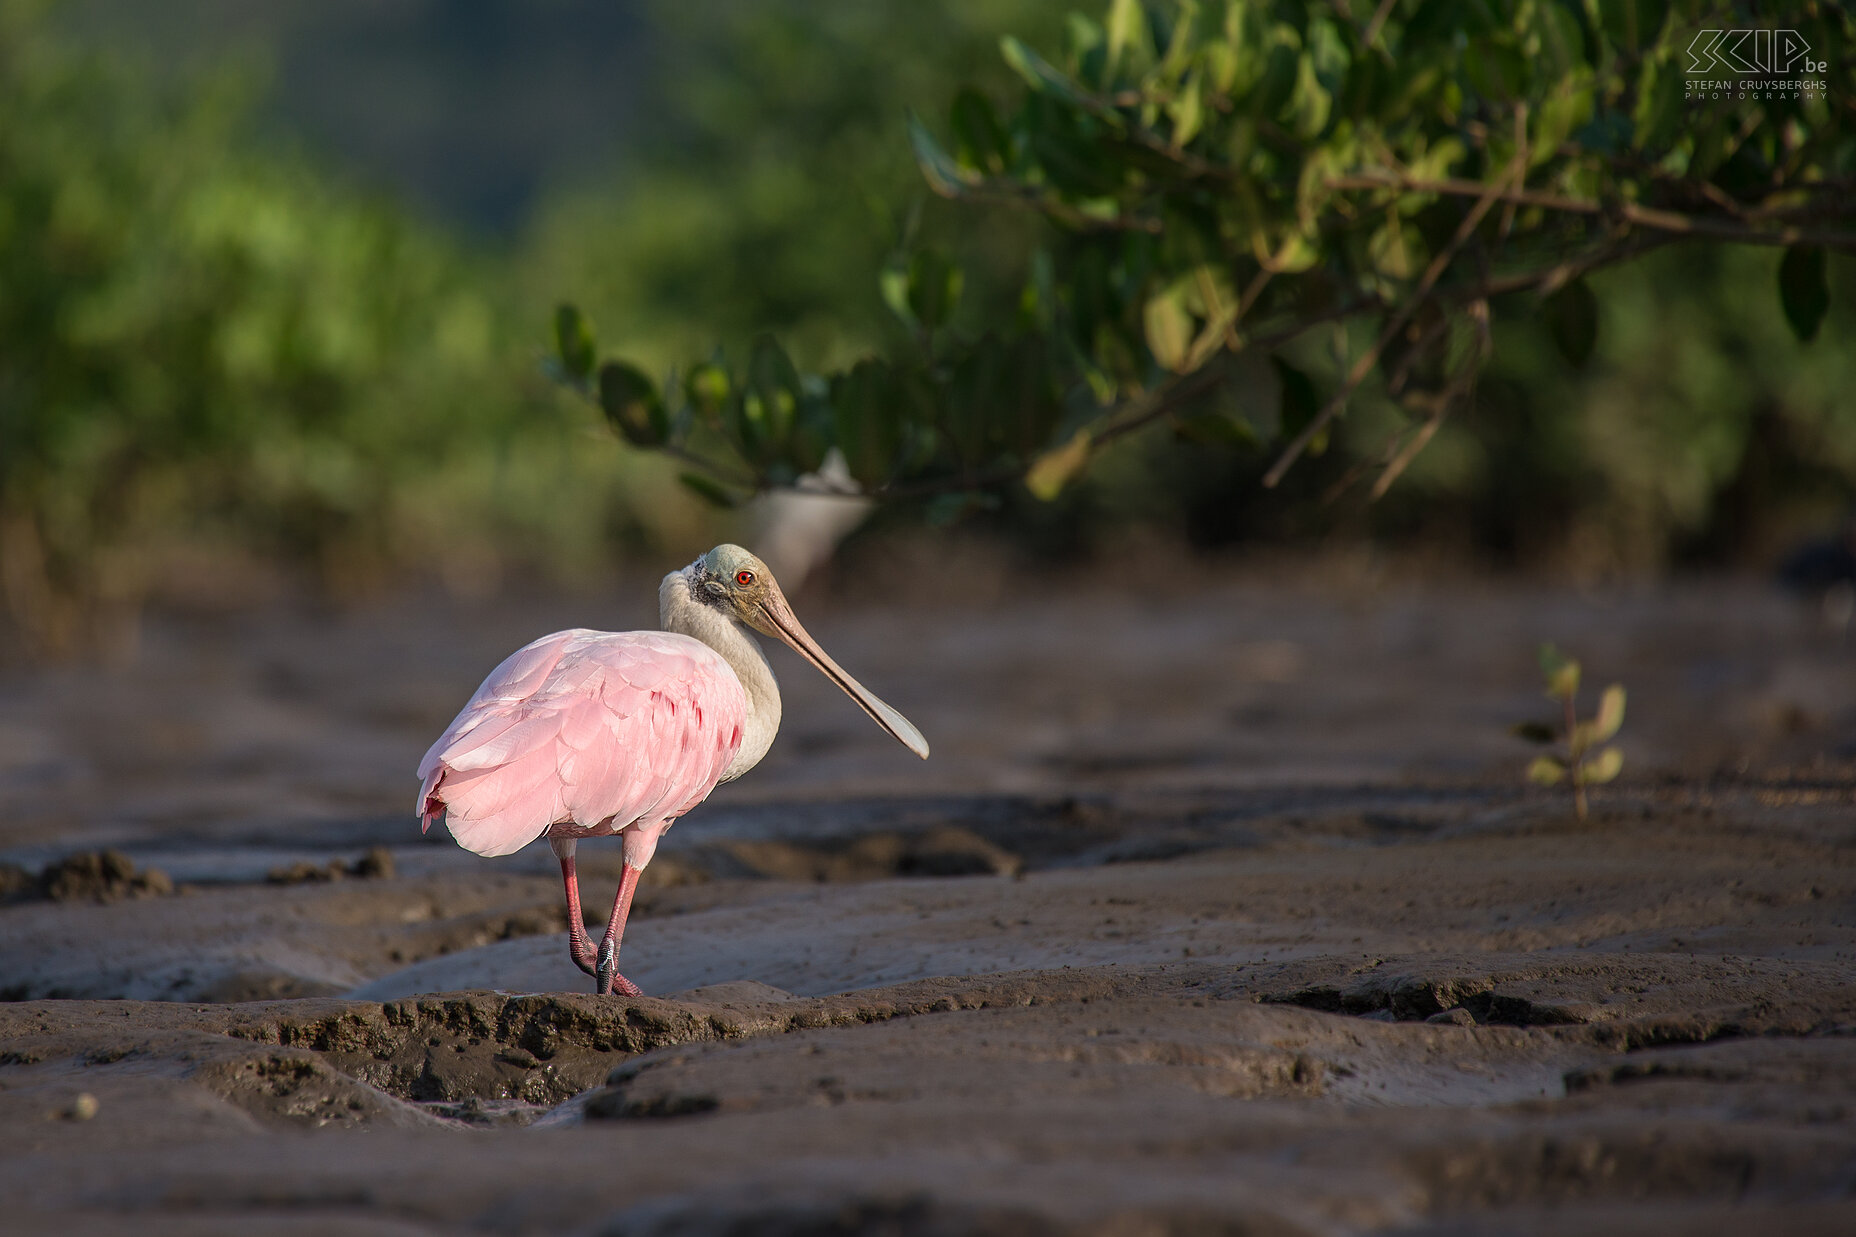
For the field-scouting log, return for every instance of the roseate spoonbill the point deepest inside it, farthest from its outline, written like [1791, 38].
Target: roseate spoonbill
[591, 733]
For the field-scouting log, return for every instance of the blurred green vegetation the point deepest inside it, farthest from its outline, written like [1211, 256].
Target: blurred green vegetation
[455, 105]
[774, 179]
[1282, 222]
[214, 349]
[1700, 433]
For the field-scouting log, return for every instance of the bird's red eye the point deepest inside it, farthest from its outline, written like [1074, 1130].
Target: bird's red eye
[744, 578]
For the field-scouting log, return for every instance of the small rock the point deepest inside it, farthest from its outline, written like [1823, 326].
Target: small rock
[953, 851]
[102, 876]
[302, 873]
[15, 882]
[376, 864]
[83, 1108]
[1455, 1016]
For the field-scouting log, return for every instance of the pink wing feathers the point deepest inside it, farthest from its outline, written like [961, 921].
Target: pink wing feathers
[584, 727]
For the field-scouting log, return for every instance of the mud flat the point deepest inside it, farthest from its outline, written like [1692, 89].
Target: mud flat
[1224, 916]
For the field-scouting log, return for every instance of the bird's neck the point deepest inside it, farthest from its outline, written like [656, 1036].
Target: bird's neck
[680, 612]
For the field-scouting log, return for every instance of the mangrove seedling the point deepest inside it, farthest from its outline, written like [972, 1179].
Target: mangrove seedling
[1576, 762]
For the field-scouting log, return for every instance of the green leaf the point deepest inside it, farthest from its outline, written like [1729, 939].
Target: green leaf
[1397, 249]
[814, 430]
[867, 421]
[631, 402]
[1168, 327]
[980, 142]
[1535, 732]
[1566, 109]
[893, 283]
[1439, 159]
[1546, 771]
[1604, 767]
[1572, 317]
[1053, 470]
[742, 420]
[1310, 103]
[944, 174]
[1561, 671]
[1187, 110]
[1661, 110]
[1130, 45]
[772, 394]
[934, 288]
[708, 489]
[1114, 356]
[1632, 24]
[1276, 82]
[1580, 741]
[1222, 67]
[1563, 682]
[1560, 27]
[1046, 79]
[708, 388]
[1804, 292]
[1183, 42]
[573, 339]
[1088, 48]
[1610, 714]
[1328, 51]
[1298, 253]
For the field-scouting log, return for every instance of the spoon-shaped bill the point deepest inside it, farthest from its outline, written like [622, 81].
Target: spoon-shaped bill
[782, 623]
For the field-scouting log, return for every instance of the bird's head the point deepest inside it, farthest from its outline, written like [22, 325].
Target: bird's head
[739, 584]
[731, 579]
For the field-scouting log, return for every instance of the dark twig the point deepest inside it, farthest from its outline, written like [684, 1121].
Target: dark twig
[1630, 212]
[1378, 23]
[1369, 358]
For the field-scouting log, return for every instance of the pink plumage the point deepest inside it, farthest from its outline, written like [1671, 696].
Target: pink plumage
[590, 733]
[584, 733]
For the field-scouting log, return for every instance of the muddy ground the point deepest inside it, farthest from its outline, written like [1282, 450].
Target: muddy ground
[1222, 907]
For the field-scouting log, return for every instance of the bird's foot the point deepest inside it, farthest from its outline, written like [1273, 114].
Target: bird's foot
[622, 986]
[581, 947]
[607, 972]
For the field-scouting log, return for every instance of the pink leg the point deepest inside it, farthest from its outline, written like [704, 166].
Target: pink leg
[608, 973]
[579, 944]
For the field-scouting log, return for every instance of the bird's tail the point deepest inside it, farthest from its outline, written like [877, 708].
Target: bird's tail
[430, 807]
